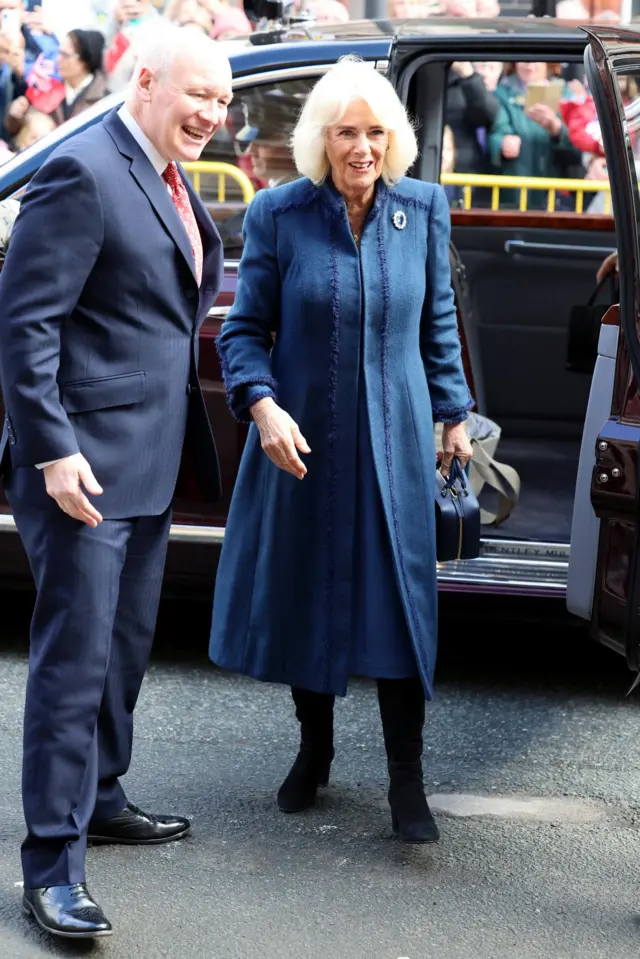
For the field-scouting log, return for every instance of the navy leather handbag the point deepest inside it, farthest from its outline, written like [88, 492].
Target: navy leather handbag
[457, 516]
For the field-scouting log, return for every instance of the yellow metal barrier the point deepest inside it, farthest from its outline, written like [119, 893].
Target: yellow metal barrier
[524, 183]
[222, 171]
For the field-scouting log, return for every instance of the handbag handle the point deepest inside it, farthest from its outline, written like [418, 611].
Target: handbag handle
[456, 475]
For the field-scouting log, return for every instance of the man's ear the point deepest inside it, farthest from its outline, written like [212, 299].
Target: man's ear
[144, 83]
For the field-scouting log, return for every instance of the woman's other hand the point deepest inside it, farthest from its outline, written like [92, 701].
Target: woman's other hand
[455, 442]
[280, 437]
[511, 146]
[18, 108]
[544, 116]
[464, 70]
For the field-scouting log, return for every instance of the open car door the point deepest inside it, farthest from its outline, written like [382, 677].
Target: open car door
[604, 569]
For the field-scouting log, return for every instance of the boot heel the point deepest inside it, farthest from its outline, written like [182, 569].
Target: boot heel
[414, 822]
[298, 791]
[323, 775]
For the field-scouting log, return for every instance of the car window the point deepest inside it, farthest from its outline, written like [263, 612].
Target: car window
[629, 85]
[522, 136]
[255, 141]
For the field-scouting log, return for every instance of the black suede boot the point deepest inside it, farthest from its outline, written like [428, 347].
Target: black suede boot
[402, 710]
[311, 767]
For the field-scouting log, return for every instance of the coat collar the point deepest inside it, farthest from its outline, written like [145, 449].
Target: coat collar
[333, 199]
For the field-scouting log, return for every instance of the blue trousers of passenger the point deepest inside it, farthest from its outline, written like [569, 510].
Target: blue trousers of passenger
[92, 630]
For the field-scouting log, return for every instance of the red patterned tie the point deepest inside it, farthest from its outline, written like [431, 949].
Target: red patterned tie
[180, 197]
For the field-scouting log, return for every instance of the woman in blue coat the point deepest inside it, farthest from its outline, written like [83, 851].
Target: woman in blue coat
[341, 350]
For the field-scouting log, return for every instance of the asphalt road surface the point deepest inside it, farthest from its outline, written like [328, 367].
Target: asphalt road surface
[533, 759]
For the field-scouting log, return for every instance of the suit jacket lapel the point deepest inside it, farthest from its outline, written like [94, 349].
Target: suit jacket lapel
[156, 190]
[153, 186]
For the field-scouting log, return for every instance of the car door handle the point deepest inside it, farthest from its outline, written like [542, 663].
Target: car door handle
[558, 250]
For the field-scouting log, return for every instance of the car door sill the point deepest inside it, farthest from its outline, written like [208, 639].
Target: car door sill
[520, 567]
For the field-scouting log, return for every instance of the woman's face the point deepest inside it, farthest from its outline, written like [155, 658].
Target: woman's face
[490, 71]
[356, 148]
[70, 67]
[448, 151]
[530, 73]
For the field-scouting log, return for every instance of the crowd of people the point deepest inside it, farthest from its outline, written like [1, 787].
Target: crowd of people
[525, 119]
[58, 57]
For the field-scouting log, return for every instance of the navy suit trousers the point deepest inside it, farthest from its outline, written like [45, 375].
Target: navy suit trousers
[92, 630]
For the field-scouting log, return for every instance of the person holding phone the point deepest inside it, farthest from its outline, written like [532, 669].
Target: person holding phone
[528, 137]
[132, 20]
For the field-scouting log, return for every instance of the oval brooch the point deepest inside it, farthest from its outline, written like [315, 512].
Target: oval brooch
[399, 220]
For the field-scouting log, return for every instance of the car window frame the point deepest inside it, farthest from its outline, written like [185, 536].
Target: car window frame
[431, 128]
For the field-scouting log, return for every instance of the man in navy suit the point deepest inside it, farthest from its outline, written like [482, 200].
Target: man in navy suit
[112, 266]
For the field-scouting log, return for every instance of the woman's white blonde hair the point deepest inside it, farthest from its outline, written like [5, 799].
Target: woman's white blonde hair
[352, 79]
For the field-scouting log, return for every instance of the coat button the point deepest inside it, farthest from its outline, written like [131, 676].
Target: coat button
[189, 388]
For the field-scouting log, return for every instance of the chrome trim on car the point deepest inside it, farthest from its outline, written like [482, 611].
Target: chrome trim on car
[510, 566]
[284, 73]
[196, 534]
[180, 533]
[504, 566]
[218, 312]
[7, 524]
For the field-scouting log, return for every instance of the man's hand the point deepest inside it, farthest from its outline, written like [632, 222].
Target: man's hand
[455, 442]
[511, 146]
[280, 436]
[64, 481]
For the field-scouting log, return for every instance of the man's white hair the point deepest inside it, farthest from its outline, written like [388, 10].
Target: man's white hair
[165, 42]
[352, 79]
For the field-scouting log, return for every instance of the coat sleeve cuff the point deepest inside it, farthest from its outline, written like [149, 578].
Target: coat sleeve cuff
[452, 416]
[243, 396]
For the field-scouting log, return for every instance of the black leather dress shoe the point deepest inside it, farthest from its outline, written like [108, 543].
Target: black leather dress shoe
[67, 911]
[133, 827]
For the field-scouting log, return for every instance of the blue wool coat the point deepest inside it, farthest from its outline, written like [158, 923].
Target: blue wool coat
[284, 598]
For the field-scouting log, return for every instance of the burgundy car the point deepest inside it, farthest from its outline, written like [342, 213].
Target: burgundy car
[570, 431]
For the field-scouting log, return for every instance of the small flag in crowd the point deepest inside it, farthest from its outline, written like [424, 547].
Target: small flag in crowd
[45, 88]
[119, 47]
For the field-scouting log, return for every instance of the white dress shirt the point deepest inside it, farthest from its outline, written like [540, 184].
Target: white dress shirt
[71, 93]
[157, 162]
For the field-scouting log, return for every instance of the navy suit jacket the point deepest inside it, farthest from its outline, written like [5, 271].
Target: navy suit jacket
[99, 318]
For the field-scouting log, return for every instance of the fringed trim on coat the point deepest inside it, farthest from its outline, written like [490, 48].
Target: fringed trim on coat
[237, 397]
[414, 200]
[458, 415]
[332, 489]
[312, 197]
[386, 416]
